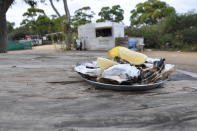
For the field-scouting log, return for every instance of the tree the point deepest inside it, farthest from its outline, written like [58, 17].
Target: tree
[31, 16]
[68, 29]
[82, 16]
[104, 14]
[117, 13]
[54, 8]
[10, 26]
[4, 5]
[57, 23]
[114, 14]
[43, 25]
[182, 26]
[150, 12]
[67, 22]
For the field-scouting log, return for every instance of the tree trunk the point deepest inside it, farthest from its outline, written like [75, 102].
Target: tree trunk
[3, 32]
[54, 8]
[68, 38]
[4, 5]
[68, 30]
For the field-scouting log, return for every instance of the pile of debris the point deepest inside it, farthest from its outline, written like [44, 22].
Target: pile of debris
[125, 67]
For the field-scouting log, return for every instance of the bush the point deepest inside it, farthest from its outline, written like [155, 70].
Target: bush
[150, 35]
[175, 31]
[188, 35]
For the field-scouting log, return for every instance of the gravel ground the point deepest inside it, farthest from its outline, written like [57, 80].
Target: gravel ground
[39, 91]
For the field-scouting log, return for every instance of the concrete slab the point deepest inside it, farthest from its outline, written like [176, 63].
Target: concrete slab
[41, 92]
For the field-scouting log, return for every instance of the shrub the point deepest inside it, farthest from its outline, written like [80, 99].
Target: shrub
[150, 34]
[175, 31]
[188, 35]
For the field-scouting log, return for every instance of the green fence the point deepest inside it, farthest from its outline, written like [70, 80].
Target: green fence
[18, 46]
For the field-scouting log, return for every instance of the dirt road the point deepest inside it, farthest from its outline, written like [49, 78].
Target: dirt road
[39, 91]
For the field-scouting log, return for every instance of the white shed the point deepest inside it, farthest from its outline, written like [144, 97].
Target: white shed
[100, 36]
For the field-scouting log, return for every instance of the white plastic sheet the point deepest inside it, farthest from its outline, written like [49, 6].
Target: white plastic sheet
[121, 72]
[84, 70]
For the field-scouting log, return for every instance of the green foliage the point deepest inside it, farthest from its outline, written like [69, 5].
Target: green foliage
[188, 35]
[33, 3]
[177, 32]
[183, 27]
[168, 24]
[82, 16]
[30, 18]
[117, 13]
[18, 33]
[175, 23]
[74, 37]
[149, 33]
[33, 12]
[150, 12]
[10, 26]
[37, 23]
[114, 14]
[57, 24]
[43, 24]
[104, 14]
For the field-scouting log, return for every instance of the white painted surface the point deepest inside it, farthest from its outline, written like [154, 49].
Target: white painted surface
[188, 73]
[87, 33]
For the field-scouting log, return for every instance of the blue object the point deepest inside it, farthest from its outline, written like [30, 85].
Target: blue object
[132, 43]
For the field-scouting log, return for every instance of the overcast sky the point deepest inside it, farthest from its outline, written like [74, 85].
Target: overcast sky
[15, 13]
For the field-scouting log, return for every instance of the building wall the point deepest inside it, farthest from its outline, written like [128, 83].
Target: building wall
[101, 43]
[118, 30]
[87, 33]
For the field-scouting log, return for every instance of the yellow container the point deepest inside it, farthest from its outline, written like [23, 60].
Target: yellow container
[132, 57]
[114, 52]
